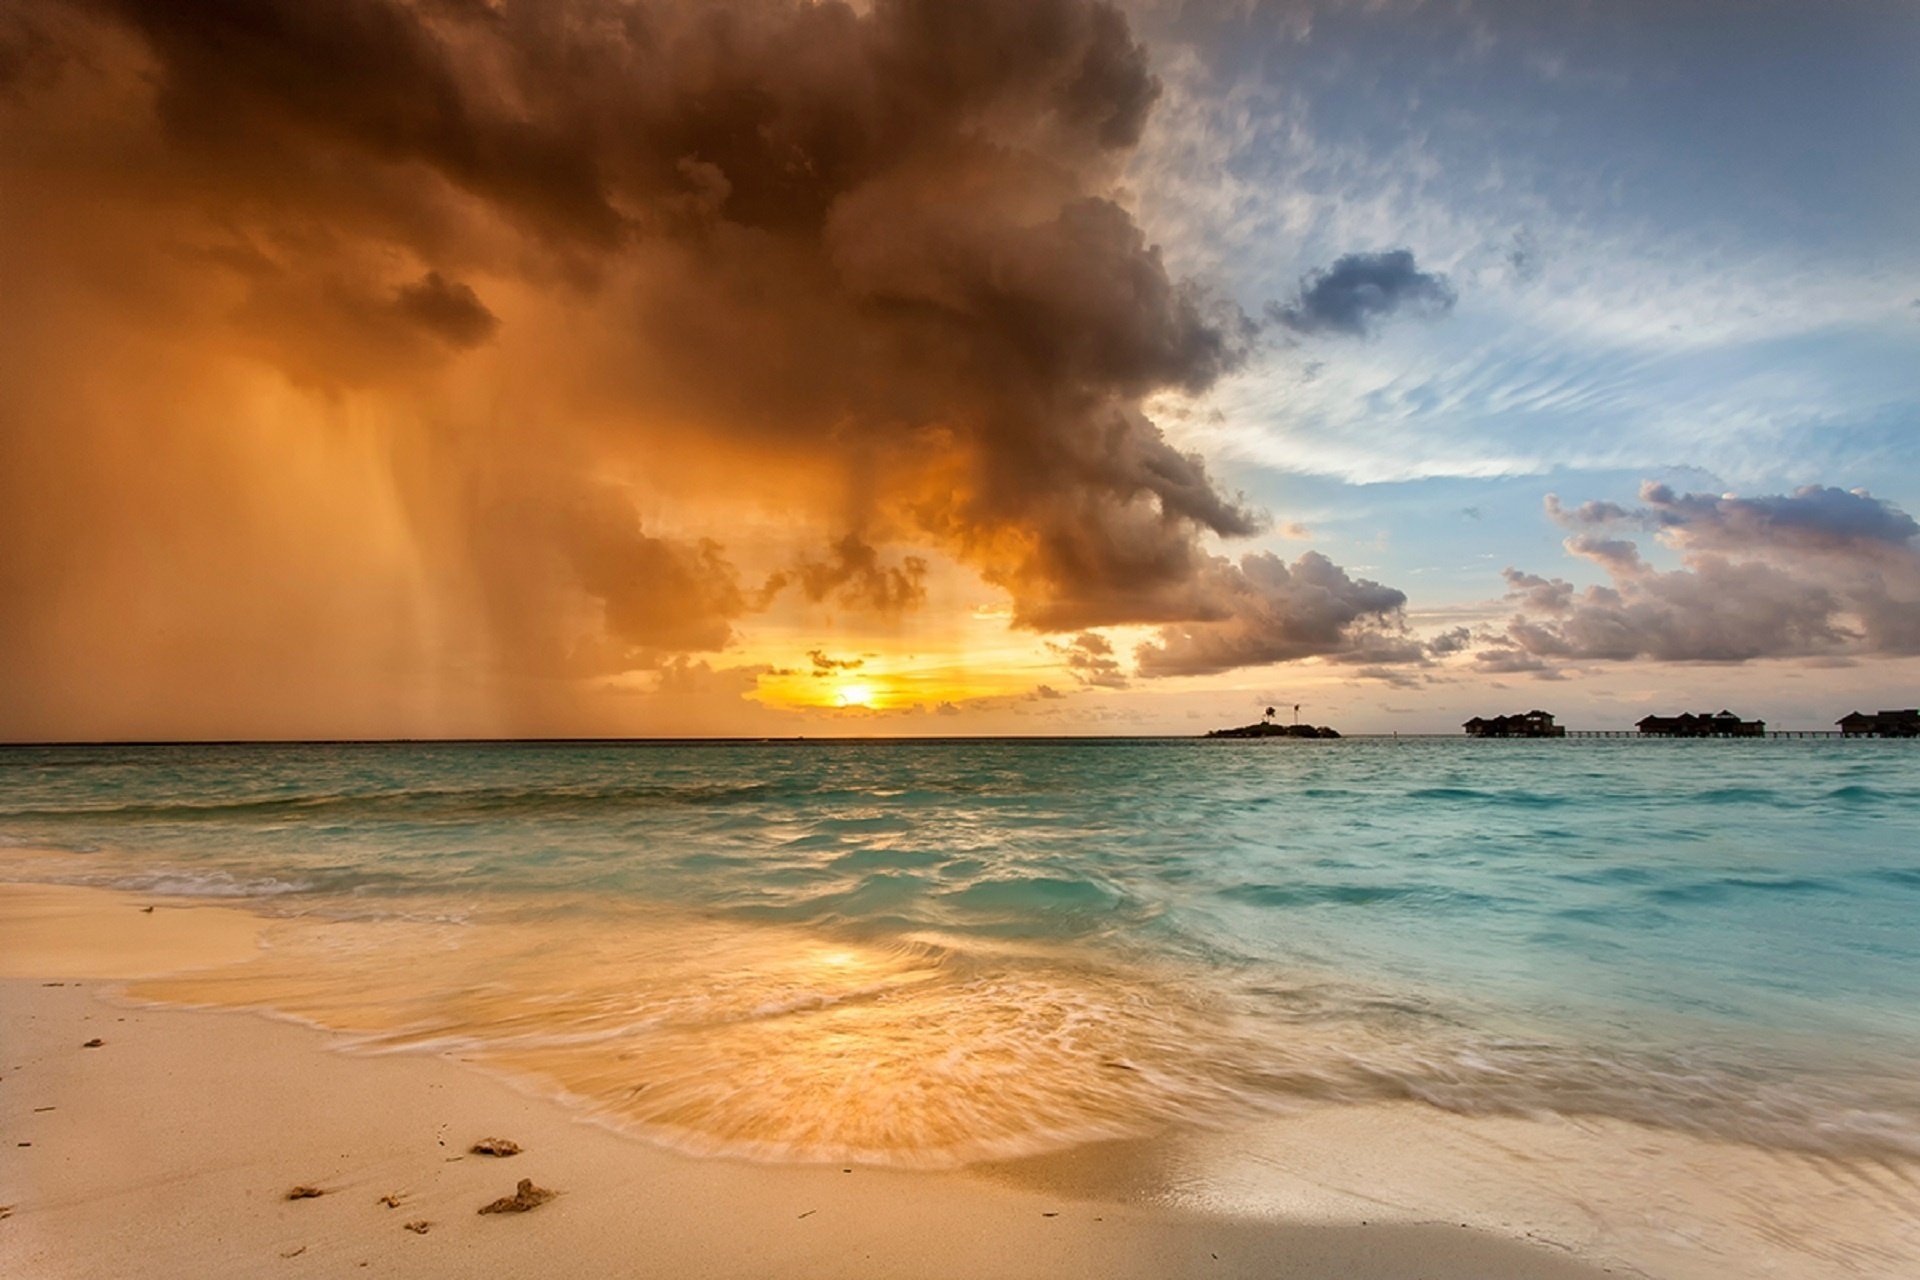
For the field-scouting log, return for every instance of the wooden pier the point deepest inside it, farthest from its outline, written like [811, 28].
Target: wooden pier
[1663, 737]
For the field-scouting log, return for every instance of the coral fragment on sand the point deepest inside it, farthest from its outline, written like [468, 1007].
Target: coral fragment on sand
[495, 1147]
[525, 1196]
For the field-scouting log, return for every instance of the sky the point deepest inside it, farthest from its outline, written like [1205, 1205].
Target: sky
[417, 368]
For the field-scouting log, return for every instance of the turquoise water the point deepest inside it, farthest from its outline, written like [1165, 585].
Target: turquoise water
[1717, 937]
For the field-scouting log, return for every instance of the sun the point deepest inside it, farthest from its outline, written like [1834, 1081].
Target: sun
[854, 695]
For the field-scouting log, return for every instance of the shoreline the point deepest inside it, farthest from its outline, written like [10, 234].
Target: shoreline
[170, 1147]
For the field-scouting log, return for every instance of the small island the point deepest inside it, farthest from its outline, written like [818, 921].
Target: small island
[1266, 728]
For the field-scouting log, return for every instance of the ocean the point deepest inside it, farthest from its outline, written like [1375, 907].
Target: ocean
[936, 953]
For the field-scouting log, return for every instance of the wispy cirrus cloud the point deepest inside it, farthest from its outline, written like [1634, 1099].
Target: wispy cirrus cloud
[1620, 313]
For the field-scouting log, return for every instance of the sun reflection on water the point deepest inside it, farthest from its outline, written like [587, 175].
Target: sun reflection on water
[759, 1041]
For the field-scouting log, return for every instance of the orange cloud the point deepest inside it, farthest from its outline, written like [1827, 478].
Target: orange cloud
[387, 345]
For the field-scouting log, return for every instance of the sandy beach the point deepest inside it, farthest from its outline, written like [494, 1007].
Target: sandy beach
[170, 1148]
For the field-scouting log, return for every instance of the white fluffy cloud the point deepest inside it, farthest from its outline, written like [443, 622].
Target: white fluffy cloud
[1817, 571]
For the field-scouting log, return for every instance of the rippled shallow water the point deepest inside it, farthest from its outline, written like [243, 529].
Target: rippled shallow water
[939, 952]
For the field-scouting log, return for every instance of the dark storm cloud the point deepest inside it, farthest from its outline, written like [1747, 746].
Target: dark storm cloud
[451, 311]
[331, 327]
[561, 114]
[1263, 610]
[898, 218]
[864, 266]
[1090, 657]
[1820, 571]
[270, 86]
[1362, 290]
[854, 575]
[29, 51]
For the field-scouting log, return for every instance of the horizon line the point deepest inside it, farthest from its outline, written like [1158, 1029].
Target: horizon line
[1628, 733]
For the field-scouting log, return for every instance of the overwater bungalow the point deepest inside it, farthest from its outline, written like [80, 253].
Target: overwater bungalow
[1531, 724]
[1715, 724]
[1881, 724]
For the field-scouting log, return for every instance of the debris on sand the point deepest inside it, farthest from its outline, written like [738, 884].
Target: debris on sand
[525, 1196]
[94, 1043]
[391, 1200]
[294, 1253]
[6, 1211]
[147, 910]
[420, 1226]
[495, 1147]
[304, 1193]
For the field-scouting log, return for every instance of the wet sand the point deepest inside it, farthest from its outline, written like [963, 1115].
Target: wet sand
[170, 1149]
